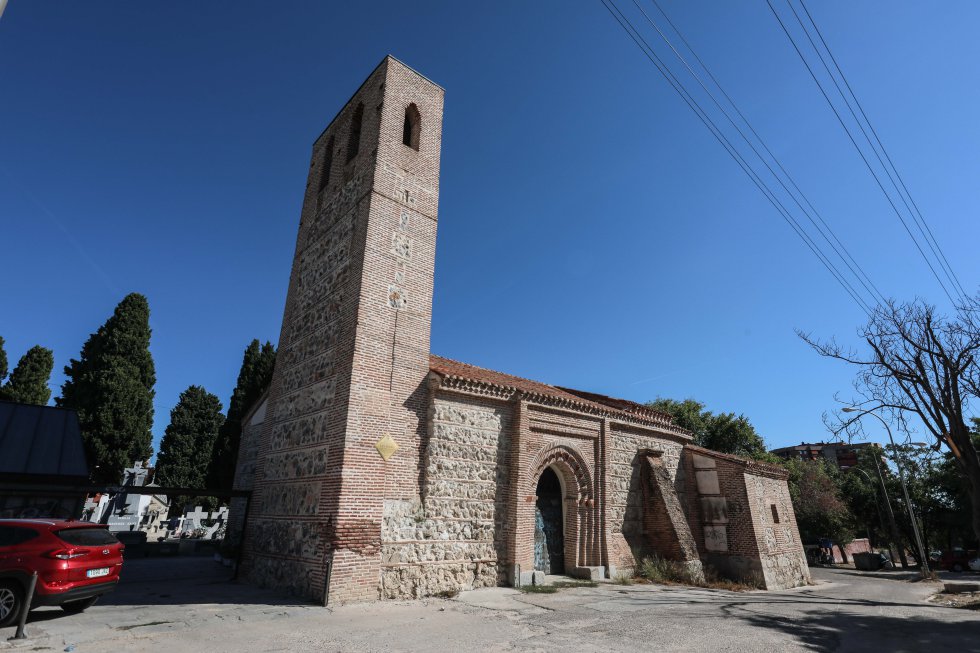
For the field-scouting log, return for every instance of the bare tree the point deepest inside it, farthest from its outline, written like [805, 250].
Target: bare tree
[921, 367]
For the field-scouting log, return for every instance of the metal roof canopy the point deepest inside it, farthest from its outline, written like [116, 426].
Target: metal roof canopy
[41, 441]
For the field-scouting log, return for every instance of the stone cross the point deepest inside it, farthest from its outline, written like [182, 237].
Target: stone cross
[197, 515]
[220, 514]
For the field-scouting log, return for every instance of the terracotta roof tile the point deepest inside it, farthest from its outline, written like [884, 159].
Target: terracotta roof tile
[756, 466]
[451, 368]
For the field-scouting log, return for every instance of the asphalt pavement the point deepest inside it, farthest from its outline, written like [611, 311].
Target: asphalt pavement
[186, 604]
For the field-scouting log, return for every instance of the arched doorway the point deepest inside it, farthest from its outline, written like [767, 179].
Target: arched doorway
[549, 525]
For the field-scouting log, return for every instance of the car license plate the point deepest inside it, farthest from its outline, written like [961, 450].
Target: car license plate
[95, 573]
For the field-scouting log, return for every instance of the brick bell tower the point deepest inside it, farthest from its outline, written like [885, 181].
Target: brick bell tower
[347, 405]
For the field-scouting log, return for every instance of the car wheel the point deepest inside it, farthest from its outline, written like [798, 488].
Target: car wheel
[74, 607]
[957, 567]
[11, 600]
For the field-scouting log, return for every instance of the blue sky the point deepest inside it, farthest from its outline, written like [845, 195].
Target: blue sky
[592, 232]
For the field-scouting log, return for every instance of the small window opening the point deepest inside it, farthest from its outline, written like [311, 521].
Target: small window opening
[327, 162]
[775, 513]
[412, 127]
[354, 140]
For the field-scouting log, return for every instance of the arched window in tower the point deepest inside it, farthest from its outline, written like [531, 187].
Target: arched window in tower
[354, 140]
[327, 162]
[413, 127]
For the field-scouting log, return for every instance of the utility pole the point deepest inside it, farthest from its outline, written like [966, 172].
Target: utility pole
[881, 519]
[892, 525]
[923, 558]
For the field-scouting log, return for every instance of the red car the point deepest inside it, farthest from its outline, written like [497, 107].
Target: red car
[957, 559]
[76, 563]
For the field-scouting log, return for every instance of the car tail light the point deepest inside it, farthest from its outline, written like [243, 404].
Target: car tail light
[67, 554]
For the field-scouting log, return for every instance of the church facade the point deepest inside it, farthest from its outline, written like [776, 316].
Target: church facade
[379, 470]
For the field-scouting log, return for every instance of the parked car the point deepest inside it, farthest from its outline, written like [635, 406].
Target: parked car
[957, 559]
[76, 563]
[974, 564]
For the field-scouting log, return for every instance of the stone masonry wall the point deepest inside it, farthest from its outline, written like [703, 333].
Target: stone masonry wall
[245, 470]
[353, 350]
[781, 554]
[448, 538]
[722, 523]
[628, 543]
[730, 523]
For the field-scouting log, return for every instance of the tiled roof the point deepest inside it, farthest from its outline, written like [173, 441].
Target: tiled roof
[449, 368]
[756, 466]
[40, 440]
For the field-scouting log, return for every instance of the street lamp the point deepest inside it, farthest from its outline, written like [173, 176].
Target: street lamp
[923, 560]
[896, 541]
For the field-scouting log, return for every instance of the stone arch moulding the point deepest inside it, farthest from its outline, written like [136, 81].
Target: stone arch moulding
[571, 466]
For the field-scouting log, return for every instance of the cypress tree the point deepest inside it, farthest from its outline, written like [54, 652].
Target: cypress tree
[3, 361]
[187, 444]
[111, 387]
[28, 383]
[254, 377]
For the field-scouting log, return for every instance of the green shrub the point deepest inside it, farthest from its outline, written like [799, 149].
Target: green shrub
[658, 570]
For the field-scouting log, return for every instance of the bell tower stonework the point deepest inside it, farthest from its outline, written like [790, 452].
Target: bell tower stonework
[348, 401]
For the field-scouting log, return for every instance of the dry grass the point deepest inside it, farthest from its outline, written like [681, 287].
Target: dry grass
[669, 572]
[447, 594]
[622, 578]
[962, 600]
[559, 585]
[564, 584]
[538, 589]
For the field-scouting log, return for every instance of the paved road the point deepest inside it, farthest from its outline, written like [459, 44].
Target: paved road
[188, 604]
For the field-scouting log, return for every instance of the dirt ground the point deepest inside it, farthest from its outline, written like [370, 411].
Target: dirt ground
[965, 600]
[186, 604]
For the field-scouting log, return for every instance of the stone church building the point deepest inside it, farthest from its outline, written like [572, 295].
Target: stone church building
[380, 470]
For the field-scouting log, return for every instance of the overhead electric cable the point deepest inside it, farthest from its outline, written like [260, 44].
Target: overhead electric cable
[922, 221]
[816, 219]
[859, 150]
[651, 54]
[919, 223]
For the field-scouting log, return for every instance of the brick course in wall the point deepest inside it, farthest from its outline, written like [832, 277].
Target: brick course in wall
[732, 520]
[453, 506]
[354, 347]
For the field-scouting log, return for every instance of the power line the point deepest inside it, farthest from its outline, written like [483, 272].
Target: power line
[816, 219]
[922, 221]
[651, 54]
[919, 223]
[732, 151]
[858, 148]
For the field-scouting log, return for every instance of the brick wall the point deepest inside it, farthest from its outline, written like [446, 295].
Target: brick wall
[625, 508]
[454, 506]
[353, 351]
[733, 523]
[569, 443]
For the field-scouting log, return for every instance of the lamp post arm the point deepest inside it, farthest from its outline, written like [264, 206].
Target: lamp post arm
[874, 494]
